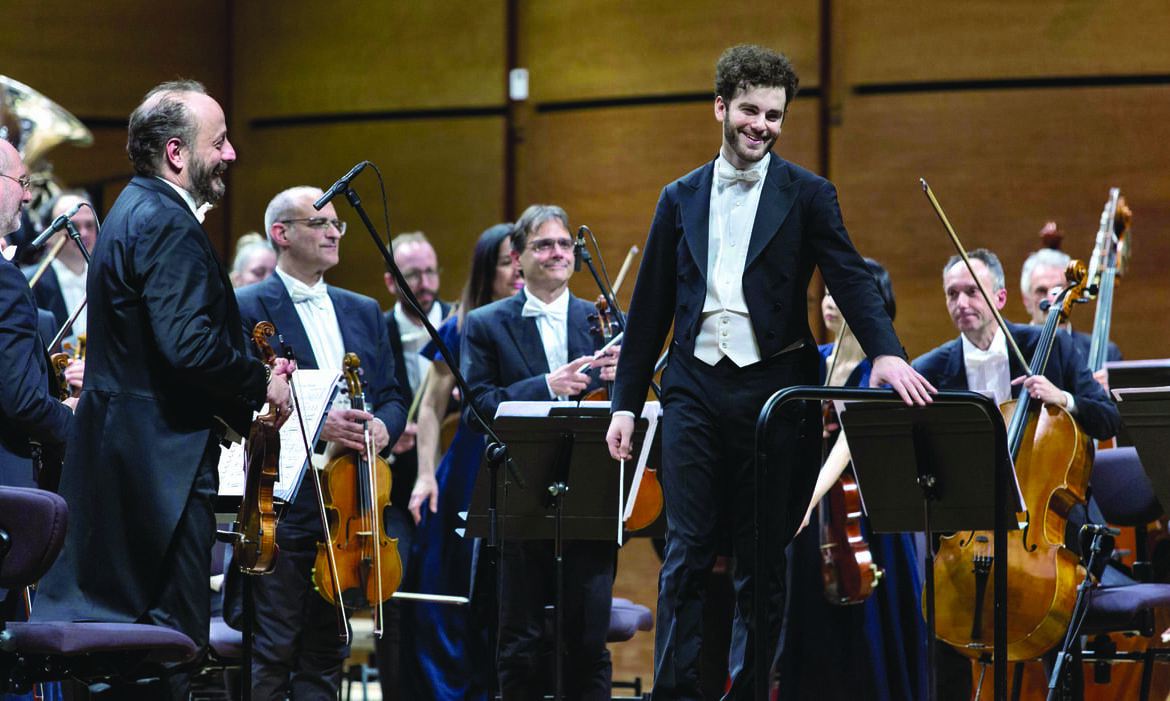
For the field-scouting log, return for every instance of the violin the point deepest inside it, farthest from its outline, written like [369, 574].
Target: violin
[848, 571]
[1053, 459]
[366, 568]
[255, 548]
[648, 502]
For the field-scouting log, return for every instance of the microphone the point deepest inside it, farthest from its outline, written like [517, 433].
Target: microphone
[579, 248]
[57, 225]
[1099, 529]
[339, 186]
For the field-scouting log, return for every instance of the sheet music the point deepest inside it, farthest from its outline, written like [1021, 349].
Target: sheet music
[651, 411]
[316, 390]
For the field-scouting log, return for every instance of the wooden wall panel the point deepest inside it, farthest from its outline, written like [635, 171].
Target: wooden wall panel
[443, 177]
[577, 49]
[607, 167]
[308, 58]
[97, 60]
[1001, 163]
[908, 41]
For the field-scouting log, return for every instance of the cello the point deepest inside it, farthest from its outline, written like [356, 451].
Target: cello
[1053, 461]
[255, 549]
[365, 568]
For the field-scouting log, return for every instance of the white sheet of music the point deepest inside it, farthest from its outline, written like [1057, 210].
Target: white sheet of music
[316, 390]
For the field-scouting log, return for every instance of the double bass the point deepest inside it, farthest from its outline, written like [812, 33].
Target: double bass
[360, 566]
[1053, 458]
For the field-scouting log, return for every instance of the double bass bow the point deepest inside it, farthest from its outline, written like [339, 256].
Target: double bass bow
[1053, 460]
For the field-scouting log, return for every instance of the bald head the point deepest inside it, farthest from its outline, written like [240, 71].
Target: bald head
[13, 196]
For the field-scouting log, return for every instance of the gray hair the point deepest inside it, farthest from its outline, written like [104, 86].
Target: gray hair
[531, 220]
[161, 116]
[283, 206]
[985, 257]
[1045, 256]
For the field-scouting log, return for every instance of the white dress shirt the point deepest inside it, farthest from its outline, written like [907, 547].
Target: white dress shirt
[199, 210]
[72, 291]
[552, 321]
[988, 370]
[414, 338]
[726, 326]
[317, 315]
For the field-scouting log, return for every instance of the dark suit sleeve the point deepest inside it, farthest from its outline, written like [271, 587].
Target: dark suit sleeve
[387, 397]
[26, 407]
[185, 300]
[1095, 411]
[651, 307]
[847, 277]
[484, 368]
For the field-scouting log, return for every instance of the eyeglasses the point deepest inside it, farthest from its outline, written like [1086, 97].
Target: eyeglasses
[24, 181]
[318, 223]
[416, 276]
[542, 246]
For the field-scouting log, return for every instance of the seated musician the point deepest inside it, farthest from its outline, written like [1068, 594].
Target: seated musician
[28, 412]
[979, 360]
[297, 652]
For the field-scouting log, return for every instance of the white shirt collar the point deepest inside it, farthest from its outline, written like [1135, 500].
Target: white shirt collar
[997, 348]
[291, 284]
[199, 211]
[557, 307]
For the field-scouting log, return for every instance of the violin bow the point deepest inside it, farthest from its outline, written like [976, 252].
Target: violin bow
[1011, 342]
[342, 625]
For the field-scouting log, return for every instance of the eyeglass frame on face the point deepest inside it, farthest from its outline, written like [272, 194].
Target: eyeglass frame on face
[24, 181]
[318, 223]
[543, 246]
[415, 276]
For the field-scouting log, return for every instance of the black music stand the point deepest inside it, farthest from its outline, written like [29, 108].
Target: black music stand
[573, 493]
[1145, 415]
[944, 466]
[1130, 374]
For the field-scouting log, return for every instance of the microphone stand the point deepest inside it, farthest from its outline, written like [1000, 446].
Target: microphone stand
[496, 452]
[606, 292]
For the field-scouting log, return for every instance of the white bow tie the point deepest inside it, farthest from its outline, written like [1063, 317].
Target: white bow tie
[727, 175]
[317, 295]
[531, 309]
[975, 356]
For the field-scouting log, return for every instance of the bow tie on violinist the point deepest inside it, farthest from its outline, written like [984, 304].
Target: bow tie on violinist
[317, 295]
[535, 309]
[726, 175]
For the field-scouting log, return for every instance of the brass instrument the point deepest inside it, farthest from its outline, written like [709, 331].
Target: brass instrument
[34, 124]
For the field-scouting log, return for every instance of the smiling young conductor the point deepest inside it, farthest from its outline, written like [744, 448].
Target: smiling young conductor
[728, 260]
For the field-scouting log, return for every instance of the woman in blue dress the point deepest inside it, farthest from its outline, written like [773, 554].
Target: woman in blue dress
[872, 650]
[451, 651]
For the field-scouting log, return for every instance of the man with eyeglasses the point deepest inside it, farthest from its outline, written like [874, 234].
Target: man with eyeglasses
[296, 652]
[28, 412]
[530, 347]
[168, 377]
[61, 287]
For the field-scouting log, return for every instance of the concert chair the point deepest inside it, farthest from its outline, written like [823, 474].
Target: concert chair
[1121, 603]
[32, 531]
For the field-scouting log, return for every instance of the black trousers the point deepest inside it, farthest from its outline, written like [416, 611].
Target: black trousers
[709, 424]
[529, 581]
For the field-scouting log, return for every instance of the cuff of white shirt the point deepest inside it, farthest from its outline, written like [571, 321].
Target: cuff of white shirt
[1071, 406]
[623, 413]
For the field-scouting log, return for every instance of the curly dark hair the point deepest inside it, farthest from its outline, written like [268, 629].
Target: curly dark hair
[746, 66]
[161, 116]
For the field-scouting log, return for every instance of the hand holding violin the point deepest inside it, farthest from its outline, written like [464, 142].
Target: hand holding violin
[606, 361]
[344, 426]
[75, 372]
[278, 394]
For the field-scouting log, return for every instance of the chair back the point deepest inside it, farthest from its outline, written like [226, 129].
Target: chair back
[1122, 490]
[33, 523]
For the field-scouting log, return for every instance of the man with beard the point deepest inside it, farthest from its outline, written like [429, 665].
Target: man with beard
[168, 376]
[415, 257]
[728, 260]
[28, 413]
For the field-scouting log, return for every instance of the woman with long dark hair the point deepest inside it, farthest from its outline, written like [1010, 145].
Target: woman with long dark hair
[451, 652]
